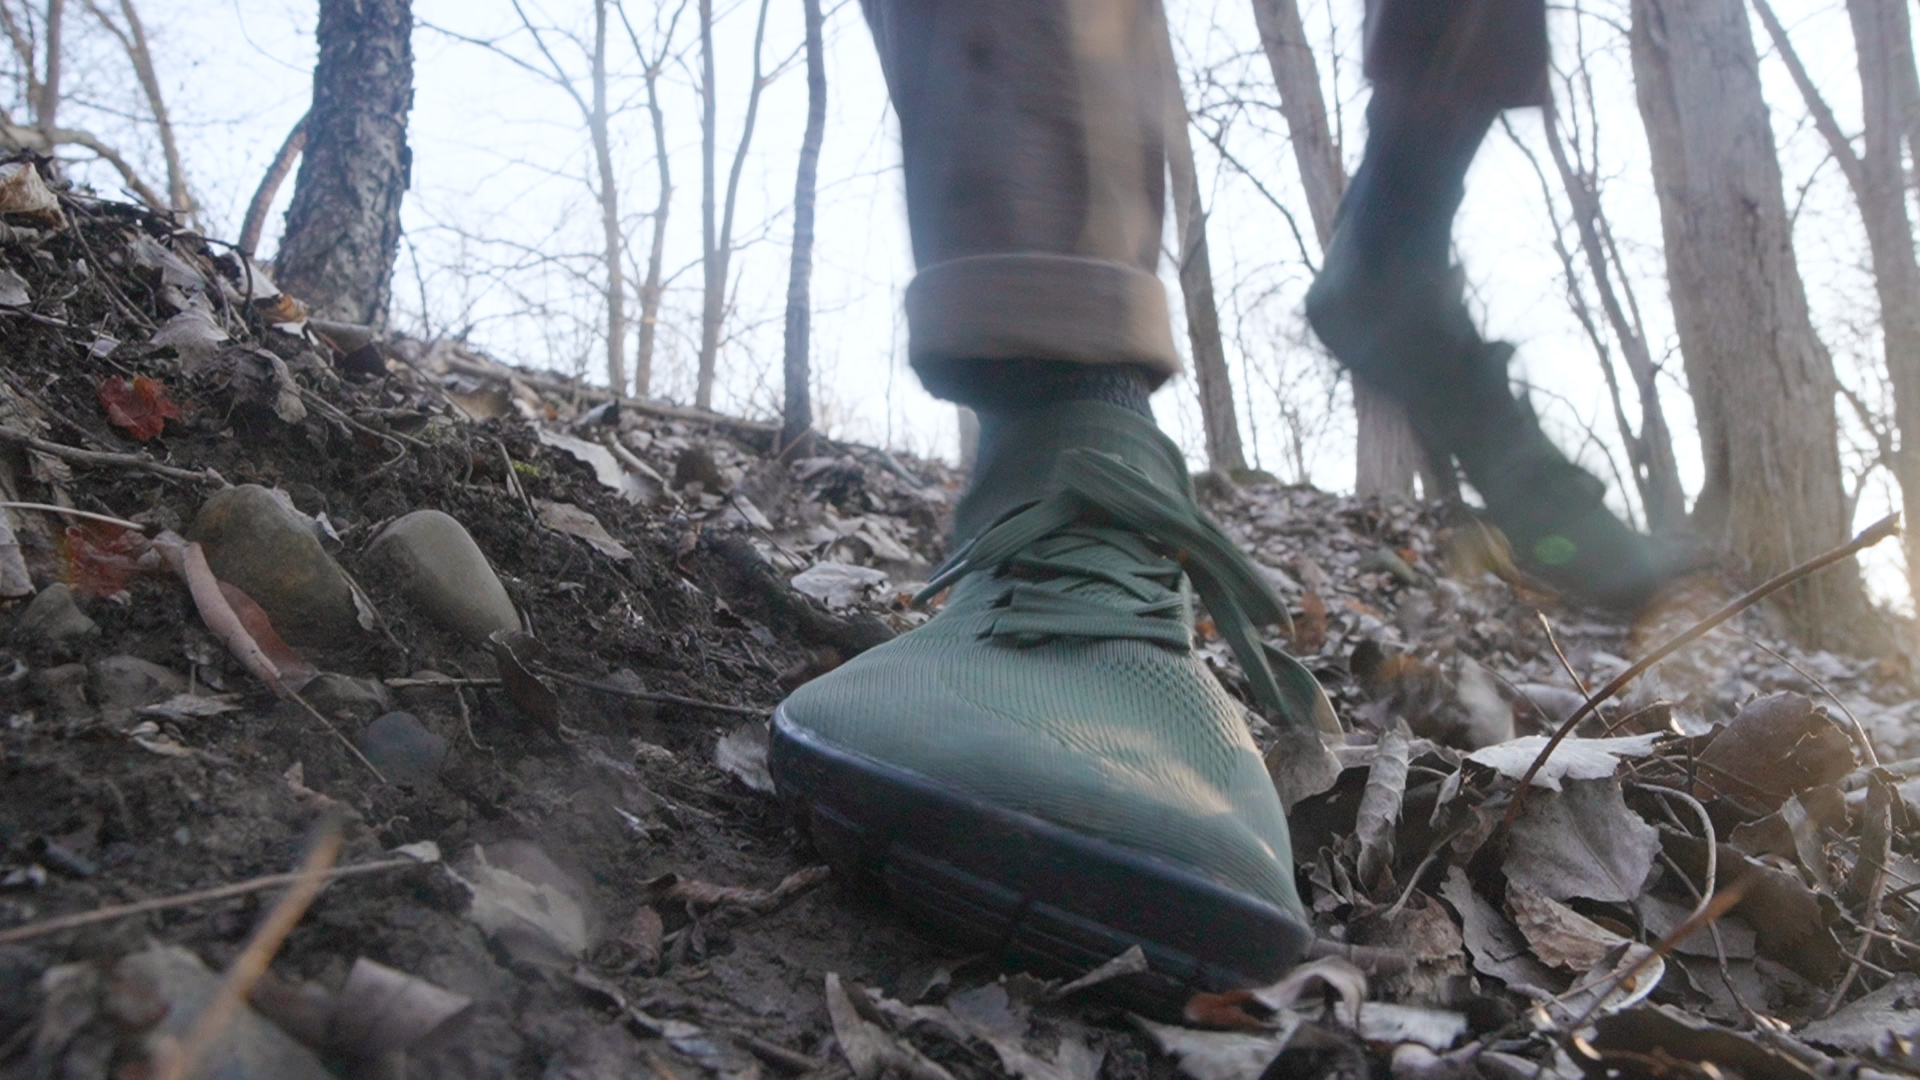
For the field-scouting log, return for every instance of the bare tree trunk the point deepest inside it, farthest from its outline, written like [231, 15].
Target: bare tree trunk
[133, 40]
[343, 227]
[23, 52]
[276, 174]
[1217, 415]
[609, 209]
[713, 283]
[46, 110]
[719, 249]
[1655, 470]
[1883, 40]
[652, 288]
[797, 411]
[1763, 386]
[1386, 453]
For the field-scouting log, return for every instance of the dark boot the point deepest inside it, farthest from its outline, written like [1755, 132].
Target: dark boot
[1388, 304]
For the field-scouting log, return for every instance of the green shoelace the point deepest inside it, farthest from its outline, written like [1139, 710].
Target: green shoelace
[1107, 522]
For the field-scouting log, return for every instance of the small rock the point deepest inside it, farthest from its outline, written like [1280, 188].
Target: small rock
[121, 684]
[269, 551]
[53, 619]
[443, 572]
[251, 1048]
[63, 690]
[402, 748]
[337, 695]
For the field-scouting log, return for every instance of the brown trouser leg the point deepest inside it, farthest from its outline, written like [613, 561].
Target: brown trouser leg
[1031, 135]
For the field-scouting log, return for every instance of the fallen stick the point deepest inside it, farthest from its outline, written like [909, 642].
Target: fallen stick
[658, 696]
[190, 562]
[105, 519]
[105, 459]
[187, 899]
[1873, 534]
[218, 1016]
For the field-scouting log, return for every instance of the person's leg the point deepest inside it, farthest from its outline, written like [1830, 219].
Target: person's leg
[1046, 769]
[1388, 301]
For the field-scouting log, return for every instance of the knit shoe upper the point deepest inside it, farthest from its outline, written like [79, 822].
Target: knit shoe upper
[1059, 680]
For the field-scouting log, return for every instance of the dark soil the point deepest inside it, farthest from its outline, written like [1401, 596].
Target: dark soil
[627, 791]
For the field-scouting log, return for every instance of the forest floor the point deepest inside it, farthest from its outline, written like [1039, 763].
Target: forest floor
[559, 852]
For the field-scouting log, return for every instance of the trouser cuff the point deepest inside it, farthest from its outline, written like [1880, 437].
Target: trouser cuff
[1031, 306]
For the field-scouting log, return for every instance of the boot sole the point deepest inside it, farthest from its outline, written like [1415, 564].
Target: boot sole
[1039, 897]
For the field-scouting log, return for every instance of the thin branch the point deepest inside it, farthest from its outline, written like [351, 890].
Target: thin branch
[1873, 534]
[290, 149]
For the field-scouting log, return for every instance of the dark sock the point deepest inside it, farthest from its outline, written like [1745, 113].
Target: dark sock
[1005, 386]
[1001, 390]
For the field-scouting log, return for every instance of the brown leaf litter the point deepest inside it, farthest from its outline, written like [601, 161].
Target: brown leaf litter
[1713, 870]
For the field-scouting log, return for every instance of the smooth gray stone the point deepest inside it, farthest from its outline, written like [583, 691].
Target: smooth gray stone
[441, 571]
[121, 684]
[402, 748]
[251, 1048]
[53, 619]
[268, 550]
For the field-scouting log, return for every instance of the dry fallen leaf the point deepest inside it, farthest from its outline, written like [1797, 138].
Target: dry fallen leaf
[705, 894]
[870, 1049]
[742, 754]
[1581, 841]
[570, 519]
[1560, 936]
[141, 408]
[24, 194]
[1776, 746]
[1573, 759]
[381, 1010]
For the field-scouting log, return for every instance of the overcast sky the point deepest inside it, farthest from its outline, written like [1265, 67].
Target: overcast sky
[502, 233]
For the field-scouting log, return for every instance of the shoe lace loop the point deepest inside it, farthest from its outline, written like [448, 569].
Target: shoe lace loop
[1109, 523]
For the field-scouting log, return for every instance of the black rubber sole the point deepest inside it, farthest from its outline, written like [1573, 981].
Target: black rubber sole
[1039, 897]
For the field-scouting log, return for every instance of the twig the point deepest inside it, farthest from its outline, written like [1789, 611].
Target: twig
[466, 720]
[105, 519]
[1713, 842]
[328, 407]
[1873, 534]
[39, 403]
[187, 899]
[34, 316]
[338, 734]
[1859, 733]
[106, 459]
[447, 682]
[1372, 959]
[778, 1056]
[189, 561]
[649, 695]
[1414, 879]
[1719, 945]
[1717, 906]
[513, 481]
[1878, 826]
[1578, 683]
[247, 968]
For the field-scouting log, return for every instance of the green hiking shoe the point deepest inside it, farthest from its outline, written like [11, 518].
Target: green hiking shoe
[1046, 770]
